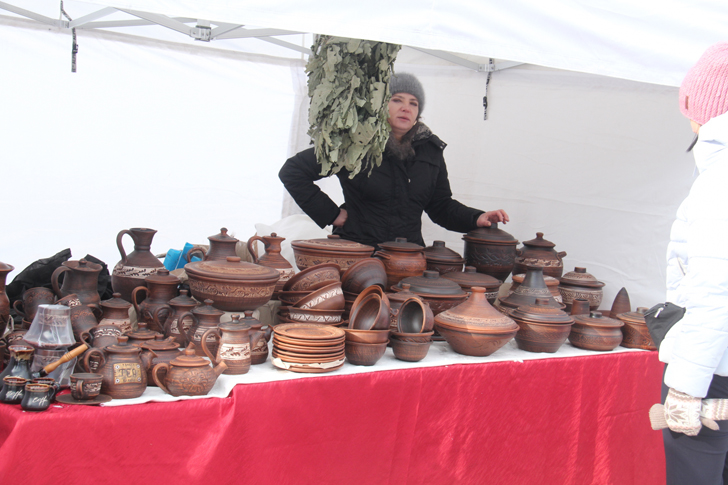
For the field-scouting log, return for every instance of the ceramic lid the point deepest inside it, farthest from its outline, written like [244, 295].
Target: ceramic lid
[541, 312]
[142, 333]
[249, 319]
[160, 343]
[116, 302]
[123, 347]
[189, 359]
[208, 309]
[491, 234]
[539, 242]
[431, 283]
[596, 319]
[549, 280]
[6, 267]
[579, 277]
[401, 244]
[82, 265]
[183, 299]
[222, 237]
[333, 243]
[476, 314]
[438, 252]
[470, 277]
[236, 324]
[232, 269]
[635, 318]
[162, 277]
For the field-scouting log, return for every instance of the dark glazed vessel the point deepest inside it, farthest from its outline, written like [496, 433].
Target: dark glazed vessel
[133, 269]
[491, 250]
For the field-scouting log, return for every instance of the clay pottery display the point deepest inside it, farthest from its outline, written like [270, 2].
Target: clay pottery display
[371, 313]
[4, 301]
[333, 249]
[542, 328]
[409, 351]
[221, 246]
[115, 311]
[133, 269]
[635, 333]
[83, 317]
[491, 250]
[320, 274]
[234, 344]
[596, 332]
[187, 375]
[414, 316]
[142, 335]
[621, 304]
[124, 375]
[539, 252]
[551, 283]
[401, 259]
[233, 284]
[469, 277]
[180, 304]
[475, 327]
[13, 389]
[259, 350]
[155, 352]
[37, 397]
[367, 336]
[330, 297]
[32, 299]
[272, 258]
[580, 306]
[442, 259]
[79, 277]
[159, 289]
[204, 317]
[363, 274]
[440, 293]
[101, 336]
[533, 286]
[358, 353]
[580, 284]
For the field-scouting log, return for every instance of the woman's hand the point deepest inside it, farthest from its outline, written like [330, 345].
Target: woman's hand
[340, 219]
[489, 217]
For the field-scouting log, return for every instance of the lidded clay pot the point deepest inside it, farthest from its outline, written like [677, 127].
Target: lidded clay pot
[160, 288]
[401, 259]
[204, 317]
[580, 284]
[221, 246]
[132, 269]
[187, 374]
[115, 311]
[596, 332]
[542, 328]
[491, 250]
[539, 252]
[440, 293]
[179, 305]
[442, 259]
[234, 285]
[156, 351]
[259, 349]
[142, 335]
[333, 249]
[533, 286]
[124, 375]
[551, 282]
[635, 332]
[470, 277]
[81, 277]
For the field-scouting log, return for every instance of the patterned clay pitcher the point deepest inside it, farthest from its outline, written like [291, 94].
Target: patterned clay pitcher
[272, 258]
[133, 268]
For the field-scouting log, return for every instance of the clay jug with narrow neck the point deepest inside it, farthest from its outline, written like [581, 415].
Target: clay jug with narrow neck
[133, 268]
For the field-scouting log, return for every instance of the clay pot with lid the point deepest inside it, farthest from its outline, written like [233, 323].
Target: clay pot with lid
[541, 327]
[157, 351]
[4, 300]
[233, 285]
[160, 288]
[580, 284]
[533, 286]
[115, 311]
[272, 258]
[79, 277]
[180, 304]
[470, 277]
[596, 332]
[124, 375]
[142, 335]
[221, 246]
[635, 333]
[204, 317]
[475, 327]
[491, 250]
[440, 293]
[234, 344]
[442, 259]
[551, 283]
[401, 260]
[539, 252]
[132, 270]
[333, 249]
[187, 375]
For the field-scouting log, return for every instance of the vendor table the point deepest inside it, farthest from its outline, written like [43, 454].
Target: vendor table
[575, 420]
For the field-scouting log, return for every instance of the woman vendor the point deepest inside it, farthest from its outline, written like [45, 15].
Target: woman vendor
[388, 203]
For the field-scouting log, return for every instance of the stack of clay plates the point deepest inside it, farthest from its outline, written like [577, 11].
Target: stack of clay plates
[308, 347]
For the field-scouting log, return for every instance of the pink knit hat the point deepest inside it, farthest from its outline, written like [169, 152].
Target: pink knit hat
[704, 91]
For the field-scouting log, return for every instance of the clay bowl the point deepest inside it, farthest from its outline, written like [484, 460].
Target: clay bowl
[292, 296]
[330, 297]
[304, 280]
[469, 342]
[362, 274]
[411, 337]
[410, 351]
[414, 316]
[366, 336]
[370, 314]
[541, 337]
[359, 353]
[590, 337]
[306, 315]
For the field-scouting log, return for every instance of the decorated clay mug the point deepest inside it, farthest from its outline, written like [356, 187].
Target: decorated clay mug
[85, 386]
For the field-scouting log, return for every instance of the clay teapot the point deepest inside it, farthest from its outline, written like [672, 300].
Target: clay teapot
[133, 268]
[401, 259]
[180, 304]
[204, 318]
[272, 258]
[81, 277]
[156, 351]
[115, 311]
[160, 288]
[539, 252]
[121, 365]
[187, 374]
[221, 246]
[235, 341]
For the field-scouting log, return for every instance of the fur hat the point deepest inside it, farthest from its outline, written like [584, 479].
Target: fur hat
[704, 91]
[405, 82]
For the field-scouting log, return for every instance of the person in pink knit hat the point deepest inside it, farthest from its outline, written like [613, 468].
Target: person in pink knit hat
[696, 347]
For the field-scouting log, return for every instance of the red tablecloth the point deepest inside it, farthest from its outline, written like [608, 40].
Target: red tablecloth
[573, 420]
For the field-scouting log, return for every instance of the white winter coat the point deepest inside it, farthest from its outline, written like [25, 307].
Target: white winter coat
[696, 347]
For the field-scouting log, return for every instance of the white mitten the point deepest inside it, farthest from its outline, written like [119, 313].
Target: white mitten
[682, 412]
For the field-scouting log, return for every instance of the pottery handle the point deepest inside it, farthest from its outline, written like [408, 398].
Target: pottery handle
[188, 256]
[86, 365]
[121, 246]
[166, 329]
[180, 326]
[519, 252]
[54, 279]
[251, 250]
[561, 254]
[18, 310]
[155, 376]
[85, 338]
[255, 337]
[134, 299]
[216, 333]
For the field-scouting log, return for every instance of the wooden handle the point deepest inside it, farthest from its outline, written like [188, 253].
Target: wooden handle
[68, 356]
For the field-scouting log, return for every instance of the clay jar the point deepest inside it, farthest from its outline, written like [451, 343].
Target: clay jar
[180, 304]
[539, 252]
[542, 328]
[272, 258]
[32, 299]
[124, 376]
[596, 332]
[580, 284]
[204, 318]
[635, 332]
[443, 260]
[134, 268]
[4, 301]
[234, 345]
[160, 288]
[115, 311]
[491, 250]
[81, 278]
[157, 351]
[187, 375]
[401, 259]
[221, 246]
[83, 317]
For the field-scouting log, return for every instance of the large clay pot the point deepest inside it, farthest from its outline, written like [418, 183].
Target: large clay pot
[115, 311]
[187, 375]
[333, 249]
[124, 374]
[180, 305]
[272, 258]
[596, 332]
[221, 246]
[580, 284]
[204, 318]
[442, 259]
[134, 268]
[4, 301]
[234, 345]
[491, 250]
[81, 277]
[401, 260]
[539, 252]
[542, 328]
[160, 288]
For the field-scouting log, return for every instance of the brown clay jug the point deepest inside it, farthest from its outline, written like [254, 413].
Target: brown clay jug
[272, 258]
[4, 301]
[115, 311]
[234, 343]
[187, 374]
[221, 246]
[124, 374]
[81, 277]
[160, 288]
[259, 350]
[204, 318]
[179, 305]
[133, 268]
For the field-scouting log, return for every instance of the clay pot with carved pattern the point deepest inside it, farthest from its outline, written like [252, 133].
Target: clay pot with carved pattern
[539, 252]
[204, 318]
[115, 311]
[580, 284]
[333, 249]
[491, 250]
[401, 260]
[124, 375]
[187, 374]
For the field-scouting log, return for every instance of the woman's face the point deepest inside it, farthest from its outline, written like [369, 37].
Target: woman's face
[403, 111]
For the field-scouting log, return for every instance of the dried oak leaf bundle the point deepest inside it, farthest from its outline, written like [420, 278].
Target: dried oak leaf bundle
[347, 82]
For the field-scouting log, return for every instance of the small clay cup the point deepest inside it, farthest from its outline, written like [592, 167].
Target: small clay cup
[358, 353]
[85, 386]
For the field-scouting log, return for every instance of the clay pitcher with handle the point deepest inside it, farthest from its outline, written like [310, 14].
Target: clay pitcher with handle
[204, 318]
[235, 341]
[80, 277]
[133, 268]
[160, 288]
[221, 246]
[272, 258]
